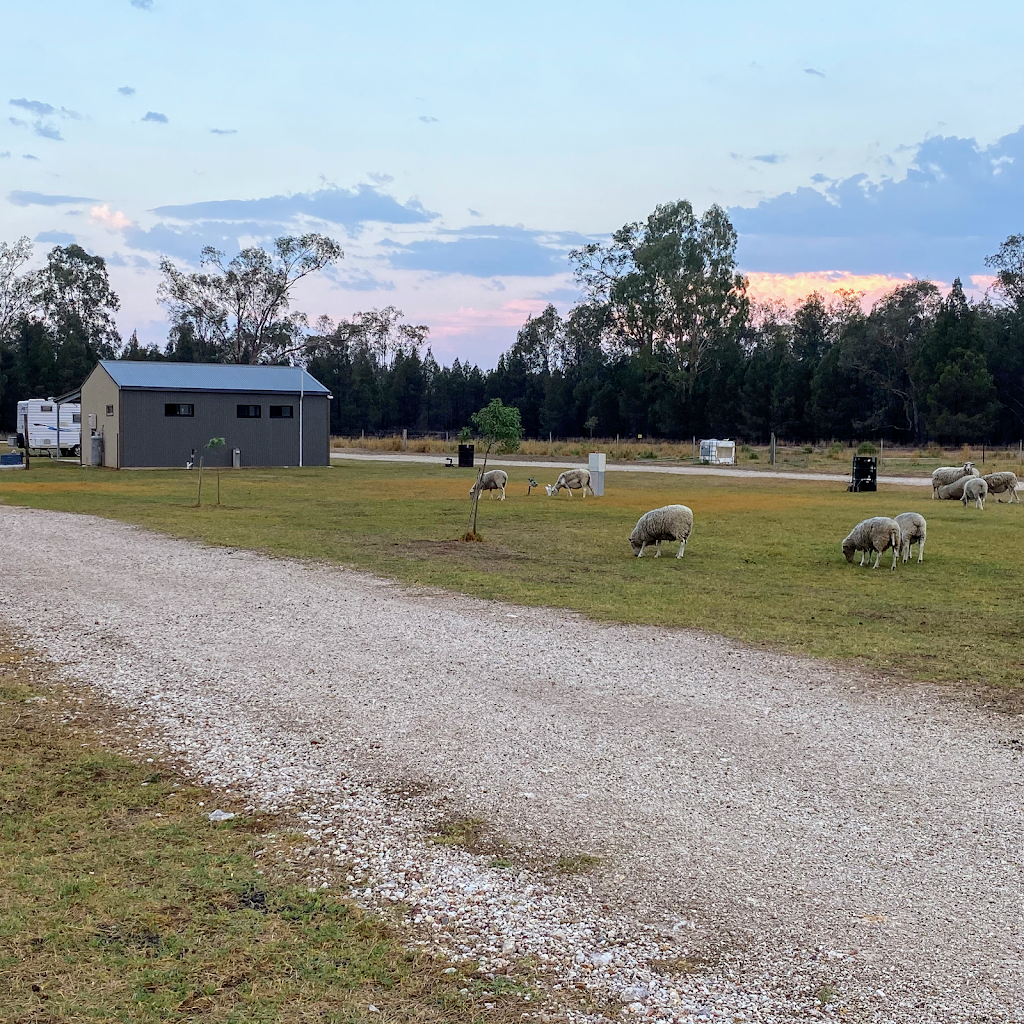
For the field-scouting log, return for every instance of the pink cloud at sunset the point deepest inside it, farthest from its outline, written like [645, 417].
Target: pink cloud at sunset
[792, 288]
[467, 318]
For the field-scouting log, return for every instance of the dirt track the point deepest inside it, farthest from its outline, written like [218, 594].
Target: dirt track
[765, 805]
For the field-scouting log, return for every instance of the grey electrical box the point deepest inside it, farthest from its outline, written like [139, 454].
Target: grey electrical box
[236, 458]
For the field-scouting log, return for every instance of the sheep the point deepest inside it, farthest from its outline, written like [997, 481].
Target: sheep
[975, 490]
[673, 522]
[878, 535]
[571, 479]
[999, 482]
[955, 490]
[913, 529]
[492, 480]
[950, 474]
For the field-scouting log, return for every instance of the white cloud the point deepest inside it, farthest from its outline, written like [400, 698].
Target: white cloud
[113, 220]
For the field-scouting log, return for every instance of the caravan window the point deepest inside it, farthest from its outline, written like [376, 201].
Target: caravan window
[46, 408]
[76, 417]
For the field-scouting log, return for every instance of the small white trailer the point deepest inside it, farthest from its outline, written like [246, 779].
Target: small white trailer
[718, 453]
[41, 433]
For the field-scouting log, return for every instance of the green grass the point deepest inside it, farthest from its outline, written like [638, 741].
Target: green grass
[763, 564]
[120, 902]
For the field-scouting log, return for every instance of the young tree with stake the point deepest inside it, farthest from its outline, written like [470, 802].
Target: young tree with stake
[500, 425]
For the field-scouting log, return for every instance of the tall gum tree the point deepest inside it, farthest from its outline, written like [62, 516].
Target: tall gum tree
[671, 285]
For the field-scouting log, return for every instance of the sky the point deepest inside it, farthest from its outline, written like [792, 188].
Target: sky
[459, 150]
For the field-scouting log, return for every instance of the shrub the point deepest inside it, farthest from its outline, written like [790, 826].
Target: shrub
[754, 456]
[835, 449]
[866, 448]
[809, 448]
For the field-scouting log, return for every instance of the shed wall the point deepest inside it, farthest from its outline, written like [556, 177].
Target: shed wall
[99, 391]
[150, 438]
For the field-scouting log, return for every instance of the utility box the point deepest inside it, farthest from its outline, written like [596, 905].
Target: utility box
[596, 465]
[236, 458]
[865, 473]
[718, 453]
[465, 456]
[96, 450]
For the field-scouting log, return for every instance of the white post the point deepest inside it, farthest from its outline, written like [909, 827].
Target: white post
[302, 393]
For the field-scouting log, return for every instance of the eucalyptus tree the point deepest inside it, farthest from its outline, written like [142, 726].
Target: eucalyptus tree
[671, 286]
[241, 308]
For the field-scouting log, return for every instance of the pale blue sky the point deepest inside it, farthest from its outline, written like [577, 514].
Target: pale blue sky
[458, 149]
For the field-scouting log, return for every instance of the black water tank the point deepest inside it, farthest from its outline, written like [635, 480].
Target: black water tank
[465, 456]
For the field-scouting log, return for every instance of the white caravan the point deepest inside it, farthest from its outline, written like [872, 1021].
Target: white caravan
[38, 428]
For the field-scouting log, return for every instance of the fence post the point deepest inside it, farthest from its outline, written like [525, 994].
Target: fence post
[771, 450]
[405, 439]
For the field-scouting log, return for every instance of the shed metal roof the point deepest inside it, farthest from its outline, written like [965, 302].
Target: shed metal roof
[171, 376]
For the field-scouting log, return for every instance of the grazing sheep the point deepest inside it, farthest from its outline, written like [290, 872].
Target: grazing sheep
[571, 479]
[878, 535]
[975, 490]
[999, 482]
[673, 522]
[913, 529]
[492, 480]
[955, 490]
[950, 474]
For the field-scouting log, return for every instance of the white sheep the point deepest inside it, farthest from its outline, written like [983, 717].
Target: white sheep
[571, 479]
[955, 490]
[913, 530]
[950, 474]
[878, 535]
[673, 522]
[1000, 482]
[976, 490]
[492, 480]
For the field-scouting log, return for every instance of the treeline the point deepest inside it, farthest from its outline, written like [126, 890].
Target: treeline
[664, 342]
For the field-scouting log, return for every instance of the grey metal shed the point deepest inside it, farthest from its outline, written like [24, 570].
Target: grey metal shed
[152, 414]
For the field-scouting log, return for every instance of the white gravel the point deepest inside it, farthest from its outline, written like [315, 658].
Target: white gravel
[783, 824]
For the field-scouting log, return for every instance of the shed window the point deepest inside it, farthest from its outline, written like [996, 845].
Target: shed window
[173, 409]
[110, 410]
[250, 412]
[280, 412]
[76, 417]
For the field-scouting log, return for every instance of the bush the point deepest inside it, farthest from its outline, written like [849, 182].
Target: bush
[647, 454]
[835, 449]
[753, 455]
[866, 448]
[809, 448]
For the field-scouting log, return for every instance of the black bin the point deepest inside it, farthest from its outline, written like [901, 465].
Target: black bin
[865, 473]
[465, 456]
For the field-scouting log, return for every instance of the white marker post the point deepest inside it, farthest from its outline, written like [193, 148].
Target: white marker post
[597, 464]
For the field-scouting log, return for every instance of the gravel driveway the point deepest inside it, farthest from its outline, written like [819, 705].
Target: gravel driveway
[797, 823]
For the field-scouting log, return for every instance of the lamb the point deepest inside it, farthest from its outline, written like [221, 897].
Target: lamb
[673, 522]
[999, 482]
[950, 474]
[955, 490]
[913, 529]
[571, 479]
[492, 480]
[975, 490]
[878, 535]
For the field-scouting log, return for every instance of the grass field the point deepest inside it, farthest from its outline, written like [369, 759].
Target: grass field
[763, 564]
[119, 901]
